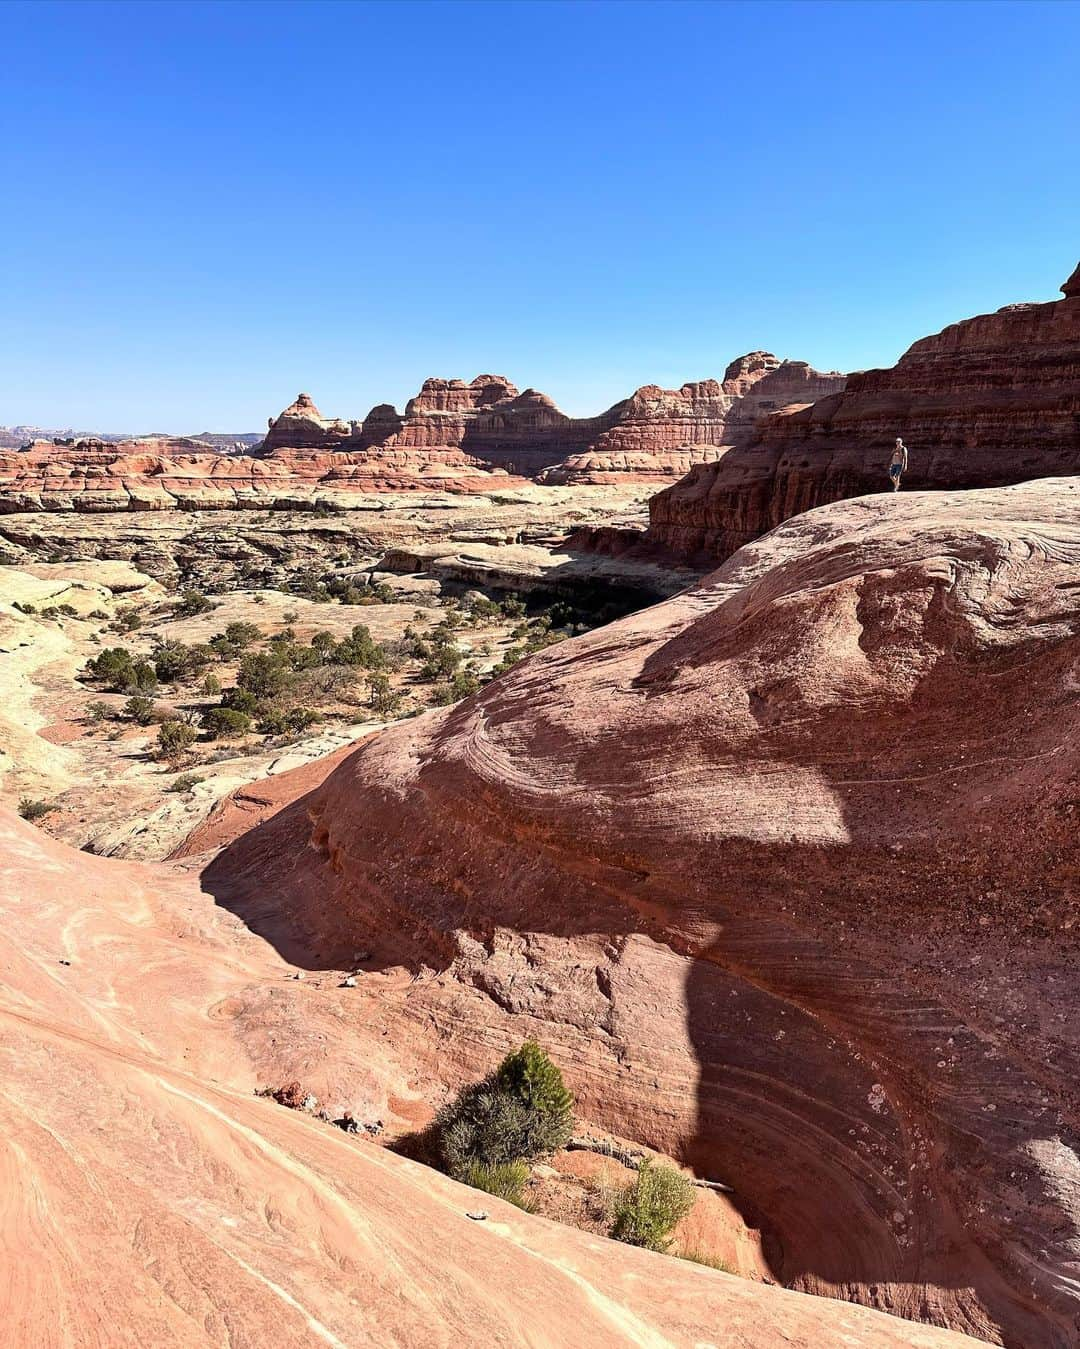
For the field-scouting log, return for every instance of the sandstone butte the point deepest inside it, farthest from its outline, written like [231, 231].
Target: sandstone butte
[986, 402]
[783, 871]
[452, 436]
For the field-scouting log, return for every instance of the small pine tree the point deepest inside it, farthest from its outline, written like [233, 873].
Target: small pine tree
[521, 1112]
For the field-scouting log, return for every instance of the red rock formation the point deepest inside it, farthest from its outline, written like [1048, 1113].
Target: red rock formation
[785, 870]
[452, 437]
[658, 432]
[990, 401]
[303, 427]
[151, 1199]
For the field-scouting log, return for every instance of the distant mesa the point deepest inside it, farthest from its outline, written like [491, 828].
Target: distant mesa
[986, 402]
[654, 435]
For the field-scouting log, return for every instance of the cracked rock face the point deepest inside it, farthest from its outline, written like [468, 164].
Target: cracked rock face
[785, 870]
[986, 402]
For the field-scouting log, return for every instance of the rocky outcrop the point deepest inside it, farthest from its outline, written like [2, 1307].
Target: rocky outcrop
[658, 432]
[453, 436]
[153, 1199]
[986, 402]
[303, 427]
[796, 850]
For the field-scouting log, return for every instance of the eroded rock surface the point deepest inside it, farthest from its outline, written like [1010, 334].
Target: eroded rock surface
[453, 436]
[785, 870]
[986, 402]
[151, 1199]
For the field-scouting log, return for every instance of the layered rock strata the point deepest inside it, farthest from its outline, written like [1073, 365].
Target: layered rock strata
[150, 1198]
[452, 437]
[796, 850]
[986, 402]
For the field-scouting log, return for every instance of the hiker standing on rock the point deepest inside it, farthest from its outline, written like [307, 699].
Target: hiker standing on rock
[898, 463]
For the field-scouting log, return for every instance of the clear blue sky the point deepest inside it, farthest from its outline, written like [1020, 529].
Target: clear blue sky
[208, 207]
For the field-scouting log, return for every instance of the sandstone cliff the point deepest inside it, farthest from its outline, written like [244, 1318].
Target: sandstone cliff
[303, 427]
[656, 433]
[149, 1198]
[989, 401]
[452, 437]
[784, 868]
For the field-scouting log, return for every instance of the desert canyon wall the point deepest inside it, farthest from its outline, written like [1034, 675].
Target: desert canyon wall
[150, 1198]
[453, 436]
[784, 868]
[986, 402]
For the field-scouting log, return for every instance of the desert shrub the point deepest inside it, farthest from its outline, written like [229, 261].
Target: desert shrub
[225, 723]
[504, 1180]
[360, 648]
[510, 658]
[443, 661]
[482, 610]
[328, 681]
[127, 619]
[240, 700]
[463, 683]
[97, 710]
[521, 1112]
[271, 720]
[290, 616]
[173, 660]
[220, 645]
[704, 1258]
[174, 739]
[263, 674]
[280, 721]
[30, 809]
[297, 656]
[211, 685]
[24, 608]
[242, 635]
[385, 701]
[140, 709]
[513, 606]
[192, 603]
[119, 671]
[309, 586]
[648, 1210]
[186, 781]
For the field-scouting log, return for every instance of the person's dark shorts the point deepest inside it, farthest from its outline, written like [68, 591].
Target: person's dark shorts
[895, 470]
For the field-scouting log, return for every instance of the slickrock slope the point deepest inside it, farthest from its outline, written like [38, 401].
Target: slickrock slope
[986, 402]
[149, 1198]
[785, 868]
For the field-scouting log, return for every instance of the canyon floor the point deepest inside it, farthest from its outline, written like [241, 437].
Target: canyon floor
[73, 581]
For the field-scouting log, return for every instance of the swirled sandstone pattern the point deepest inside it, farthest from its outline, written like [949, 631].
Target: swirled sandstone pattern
[148, 1198]
[986, 402]
[786, 869]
